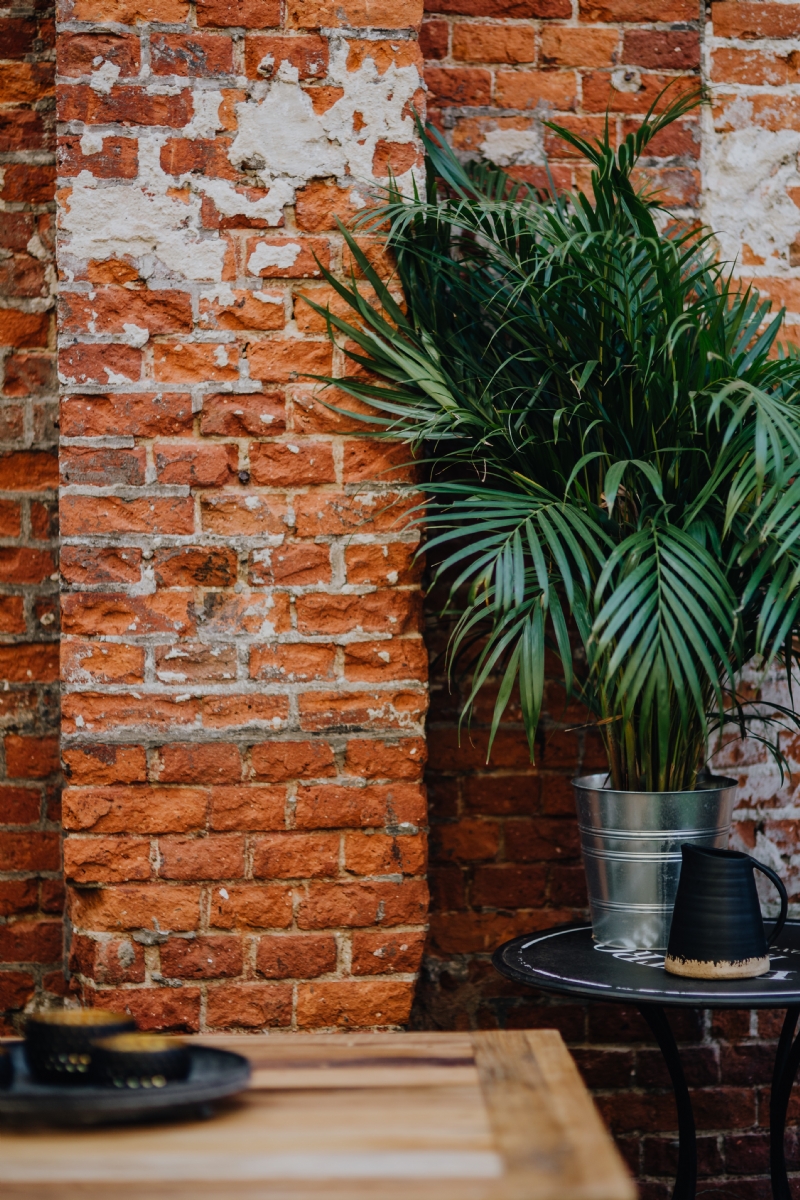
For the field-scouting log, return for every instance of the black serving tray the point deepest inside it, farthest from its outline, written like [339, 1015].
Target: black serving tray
[213, 1075]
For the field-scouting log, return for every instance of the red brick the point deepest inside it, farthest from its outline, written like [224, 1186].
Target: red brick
[280, 362]
[198, 466]
[289, 464]
[10, 520]
[467, 840]
[458, 85]
[22, 329]
[213, 857]
[135, 906]
[258, 414]
[379, 854]
[386, 953]
[163, 612]
[12, 612]
[120, 808]
[31, 757]
[182, 156]
[29, 471]
[16, 989]
[294, 661]
[105, 764]
[247, 808]
[300, 255]
[27, 184]
[91, 662]
[249, 1006]
[125, 105]
[225, 711]
[249, 516]
[110, 309]
[354, 905]
[76, 52]
[401, 658]
[368, 710]
[279, 761]
[198, 763]
[118, 159]
[509, 886]
[189, 567]
[353, 1004]
[297, 564]
[393, 158]
[563, 46]
[175, 1010]
[198, 54]
[750, 21]
[308, 54]
[103, 467]
[248, 310]
[20, 564]
[372, 759]
[112, 514]
[16, 896]
[81, 364]
[252, 14]
[133, 415]
[30, 851]
[662, 49]
[296, 856]
[491, 43]
[332, 806]
[202, 957]
[251, 906]
[434, 39]
[198, 362]
[27, 941]
[527, 89]
[296, 957]
[106, 860]
[111, 961]
[19, 806]
[338, 513]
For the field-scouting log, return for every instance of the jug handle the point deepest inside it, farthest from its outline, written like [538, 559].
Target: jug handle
[776, 879]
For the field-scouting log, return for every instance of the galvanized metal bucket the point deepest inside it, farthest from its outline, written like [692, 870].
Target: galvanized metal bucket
[631, 851]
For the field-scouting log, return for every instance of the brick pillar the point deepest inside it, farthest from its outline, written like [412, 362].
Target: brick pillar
[31, 893]
[243, 666]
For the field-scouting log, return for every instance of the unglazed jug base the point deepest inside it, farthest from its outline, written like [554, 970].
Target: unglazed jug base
[692, 968]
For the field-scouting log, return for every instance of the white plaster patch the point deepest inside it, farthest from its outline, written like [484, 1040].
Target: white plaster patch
[514, 147]
[103, 80]
[205, 120]
[265, 255]
[110, 222]
[231, 203]
[746, 174]
[268, 297]
[91, 142]
[135, 335]
[282, 137]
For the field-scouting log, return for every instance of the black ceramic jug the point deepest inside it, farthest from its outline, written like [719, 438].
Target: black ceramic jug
[717, 931]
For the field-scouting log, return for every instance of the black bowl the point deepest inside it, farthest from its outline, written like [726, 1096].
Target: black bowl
[139, 1060]
[6, 1068]
[58, 1043]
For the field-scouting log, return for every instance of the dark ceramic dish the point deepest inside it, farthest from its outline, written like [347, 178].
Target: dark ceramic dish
[139, 1060]
[58, 1043]
[213, 1075]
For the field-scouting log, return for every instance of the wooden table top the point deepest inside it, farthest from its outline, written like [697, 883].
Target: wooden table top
[436, 1116]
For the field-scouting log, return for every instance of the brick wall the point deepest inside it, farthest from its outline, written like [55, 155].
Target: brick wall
[31, 893]
[243, 668]
[504, 846]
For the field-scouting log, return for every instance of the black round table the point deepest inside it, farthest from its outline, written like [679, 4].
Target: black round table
[566, 960]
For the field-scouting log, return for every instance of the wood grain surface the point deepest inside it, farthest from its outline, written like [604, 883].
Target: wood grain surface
[485, 1116]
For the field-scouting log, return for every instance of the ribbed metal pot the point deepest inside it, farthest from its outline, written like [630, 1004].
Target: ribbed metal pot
[631, 851]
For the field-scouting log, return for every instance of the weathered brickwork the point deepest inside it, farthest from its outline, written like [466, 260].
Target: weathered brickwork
[31, 892]
[243, 668]
[497, 69]
[504, 847]
[751, 143]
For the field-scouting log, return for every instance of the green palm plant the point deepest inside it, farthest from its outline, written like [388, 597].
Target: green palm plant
[614, 436]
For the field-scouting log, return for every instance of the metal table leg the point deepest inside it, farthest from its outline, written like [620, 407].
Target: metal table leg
[787, 1059]
[686, 1178]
